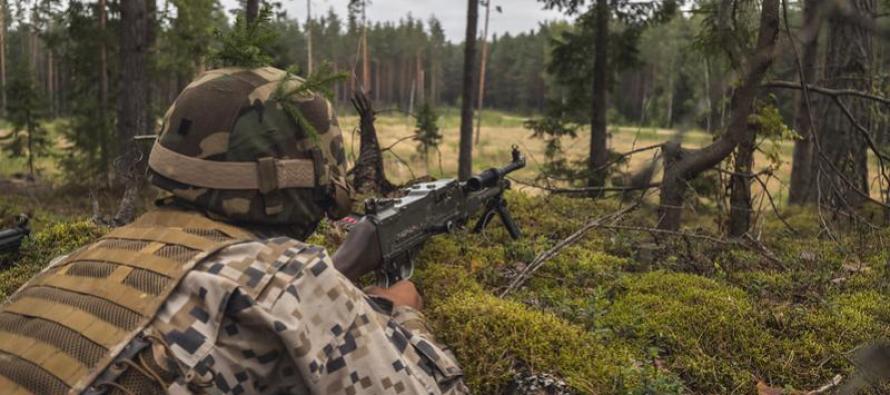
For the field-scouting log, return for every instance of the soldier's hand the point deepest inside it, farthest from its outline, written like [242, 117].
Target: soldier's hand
[402, 293]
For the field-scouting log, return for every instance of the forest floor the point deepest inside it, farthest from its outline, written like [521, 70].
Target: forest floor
[624, 310]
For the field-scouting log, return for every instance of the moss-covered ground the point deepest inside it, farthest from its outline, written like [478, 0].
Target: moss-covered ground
[626, 312]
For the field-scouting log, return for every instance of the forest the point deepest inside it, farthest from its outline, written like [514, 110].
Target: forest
[705, 206]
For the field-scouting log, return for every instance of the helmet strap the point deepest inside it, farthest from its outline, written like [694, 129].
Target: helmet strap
[267, 175]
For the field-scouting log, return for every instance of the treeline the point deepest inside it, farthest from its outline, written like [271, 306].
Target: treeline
[60, 44]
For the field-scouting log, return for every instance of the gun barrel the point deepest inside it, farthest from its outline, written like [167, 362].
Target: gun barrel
[490, 177]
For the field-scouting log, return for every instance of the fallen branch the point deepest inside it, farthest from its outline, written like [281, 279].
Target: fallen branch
[584, 190]
[836, 381]
[553, 252]
[755, 245]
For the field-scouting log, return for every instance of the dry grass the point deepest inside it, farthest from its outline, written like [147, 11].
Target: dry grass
[404, 163]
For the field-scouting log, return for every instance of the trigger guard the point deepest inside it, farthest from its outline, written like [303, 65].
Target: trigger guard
[389, 276]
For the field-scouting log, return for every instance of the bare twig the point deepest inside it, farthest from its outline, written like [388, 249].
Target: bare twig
[834, 93]
[624, 155]
[835, 381]
[585, 190]
[397, 143]
[555, 250]
[747, 242]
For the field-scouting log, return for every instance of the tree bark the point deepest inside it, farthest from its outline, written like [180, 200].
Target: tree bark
[308, 37]
[368, 175]
[599, 153]
[3, 8]
[131, 103]
[740, 207]
[848, 60]
[103, 62]
[465, 157]
[251, 10]
[150, 43]
[482, 67]
[681, 165]
[50, 82]
[801, 188]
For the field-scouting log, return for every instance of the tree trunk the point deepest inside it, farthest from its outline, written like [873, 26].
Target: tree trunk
[251, 10]
[465, 157]
[103, 63]
[366, 60]
[847, 66]
[308, 38]
[421, 80]
[482, 67]
[599, 153]
[50, 82]
[150, 44]
[740, 204]
[3, 58]
[801, 188]
[368, 175]
[131, 103]
[681, 165]
[29, 120]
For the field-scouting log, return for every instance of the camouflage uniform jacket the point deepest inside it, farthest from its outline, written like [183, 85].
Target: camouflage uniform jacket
[275, 316]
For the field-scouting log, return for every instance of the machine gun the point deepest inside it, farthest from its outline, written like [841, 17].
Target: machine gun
[11, 239]
[426, 209]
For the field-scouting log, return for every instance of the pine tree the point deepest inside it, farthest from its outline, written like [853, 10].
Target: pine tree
[25, 112]
[426, 131]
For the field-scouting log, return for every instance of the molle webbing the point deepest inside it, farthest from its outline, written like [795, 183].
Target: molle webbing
[61, 330]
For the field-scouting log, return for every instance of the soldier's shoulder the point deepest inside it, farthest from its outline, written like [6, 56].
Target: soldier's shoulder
[255, 263]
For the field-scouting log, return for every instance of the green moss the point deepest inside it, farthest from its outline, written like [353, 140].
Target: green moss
[696, 322]
[38, 250]
[491, 335]
[850, 319]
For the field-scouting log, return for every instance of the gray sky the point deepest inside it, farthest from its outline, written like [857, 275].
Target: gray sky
[518, 15]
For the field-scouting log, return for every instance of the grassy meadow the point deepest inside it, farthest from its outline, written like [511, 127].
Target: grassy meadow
[500, 131]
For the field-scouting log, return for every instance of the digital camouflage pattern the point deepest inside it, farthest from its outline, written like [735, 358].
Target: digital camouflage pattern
[244, 316]
[235, 115]
[272, 317]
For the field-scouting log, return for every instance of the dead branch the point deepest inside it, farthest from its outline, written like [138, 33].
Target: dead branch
[368, 173]
[555, 250]
[835, 381]
[746, 242]
[627, 154]
[584, 190]
[833, 93]
[397, 143]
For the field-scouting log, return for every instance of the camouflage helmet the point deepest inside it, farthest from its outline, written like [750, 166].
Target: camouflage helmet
[234, 146]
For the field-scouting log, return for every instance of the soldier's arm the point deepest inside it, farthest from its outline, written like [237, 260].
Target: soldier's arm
[342, 340]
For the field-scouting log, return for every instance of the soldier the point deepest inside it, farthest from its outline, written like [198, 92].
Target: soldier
[204, 294]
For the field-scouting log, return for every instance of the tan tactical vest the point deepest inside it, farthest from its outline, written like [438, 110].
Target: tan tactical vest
[66, 327]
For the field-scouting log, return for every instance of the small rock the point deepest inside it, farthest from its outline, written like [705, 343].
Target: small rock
[808, 256]
[538, 384]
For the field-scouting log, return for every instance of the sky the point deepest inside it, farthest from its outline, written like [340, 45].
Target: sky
[518, 15]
